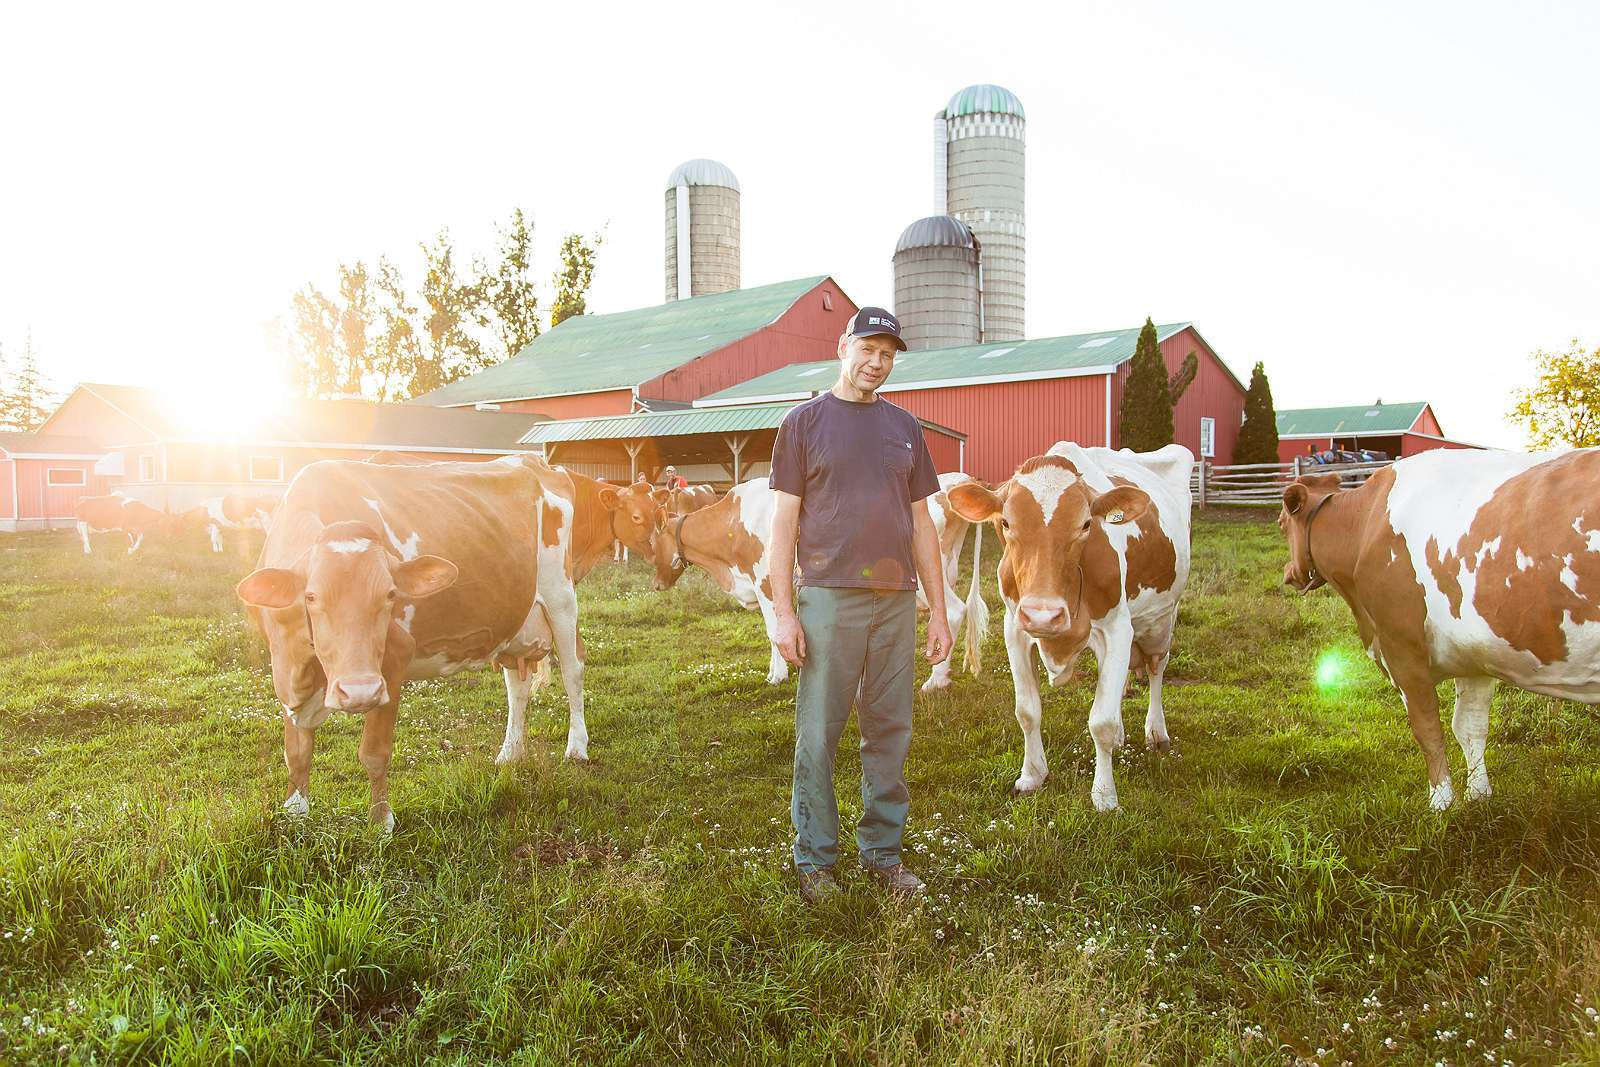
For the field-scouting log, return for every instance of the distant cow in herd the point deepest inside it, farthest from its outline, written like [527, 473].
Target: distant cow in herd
[1475, 566]
[234, 511]
[116, 513]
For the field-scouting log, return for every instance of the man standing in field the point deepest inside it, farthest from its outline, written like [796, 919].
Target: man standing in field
[851, 473]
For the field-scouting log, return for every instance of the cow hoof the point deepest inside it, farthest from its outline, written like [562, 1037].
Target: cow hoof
[1104, 801]
[510, 754]
[383, 818]
[1157, 742]
[578, 753]
[297, 804]
[1441, 796]
[1478, 792]
[1025, 785]
[777, 677]
[935, 684]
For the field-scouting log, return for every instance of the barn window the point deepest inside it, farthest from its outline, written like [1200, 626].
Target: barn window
[827, 300]
[266, 468]
[1208, 437]
[64, 476]
[147, 468]
[1097, 342]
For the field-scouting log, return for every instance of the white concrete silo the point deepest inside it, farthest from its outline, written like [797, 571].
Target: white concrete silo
[980, 154]
[702, 229]
[937, 284]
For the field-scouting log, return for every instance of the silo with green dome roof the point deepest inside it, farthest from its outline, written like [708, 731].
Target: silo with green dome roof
[979, 156]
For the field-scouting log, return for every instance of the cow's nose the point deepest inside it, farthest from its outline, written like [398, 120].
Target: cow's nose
[1042, 615]
[359, 692]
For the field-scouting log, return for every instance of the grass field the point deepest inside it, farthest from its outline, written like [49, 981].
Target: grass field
[1274, 888]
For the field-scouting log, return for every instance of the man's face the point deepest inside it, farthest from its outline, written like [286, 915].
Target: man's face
[868, 360]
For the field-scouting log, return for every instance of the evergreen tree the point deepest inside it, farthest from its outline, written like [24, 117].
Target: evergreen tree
[1147, 397]
[1258, 437]
[26, 400]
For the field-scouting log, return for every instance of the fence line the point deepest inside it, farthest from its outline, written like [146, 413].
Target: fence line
[1261, 485]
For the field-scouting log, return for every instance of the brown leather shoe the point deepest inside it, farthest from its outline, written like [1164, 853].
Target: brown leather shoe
[819, 885]
[897, 879]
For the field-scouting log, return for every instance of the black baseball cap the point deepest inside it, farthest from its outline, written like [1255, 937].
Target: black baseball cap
[871, 322]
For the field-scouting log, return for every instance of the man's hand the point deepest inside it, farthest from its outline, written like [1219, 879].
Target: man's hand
[791, 639]
[939, 642]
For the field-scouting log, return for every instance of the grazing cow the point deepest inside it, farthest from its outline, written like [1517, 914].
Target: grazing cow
[1468, 565]
[375, 575]
[683, 501]
[121, 514]
[582, 518]
[728, 540]
[235, 511]
[1096, 554]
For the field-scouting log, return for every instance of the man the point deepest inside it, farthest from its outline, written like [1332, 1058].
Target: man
[671, 480]
[850, 473]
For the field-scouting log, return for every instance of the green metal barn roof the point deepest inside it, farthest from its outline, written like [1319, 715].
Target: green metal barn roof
[1362, 419]
[588, 353]
[1004, 361]
[684, 423]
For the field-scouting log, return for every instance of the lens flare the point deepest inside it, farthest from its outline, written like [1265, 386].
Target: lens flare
[1332, 669]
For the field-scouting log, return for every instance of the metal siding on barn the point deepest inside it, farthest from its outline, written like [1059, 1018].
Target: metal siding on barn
[1212, 394]
[577, 406]
[1008, 422]
[807, 331]
[945, 450]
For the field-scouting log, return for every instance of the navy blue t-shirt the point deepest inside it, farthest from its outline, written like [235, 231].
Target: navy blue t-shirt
[857, 469]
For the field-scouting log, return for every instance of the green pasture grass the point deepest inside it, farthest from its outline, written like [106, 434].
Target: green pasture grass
[1274, 889]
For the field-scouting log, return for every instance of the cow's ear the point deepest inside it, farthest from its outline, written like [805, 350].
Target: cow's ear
[271, 587]
[974, 502]
[1294, 498]
[1125, 503]
[662, 496]
[424, 576]
[610, 497]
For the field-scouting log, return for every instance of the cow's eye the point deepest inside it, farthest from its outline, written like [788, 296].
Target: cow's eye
[1085, 527]
[638, 520]
[311, 598]
[1005, 524]
[392, 594]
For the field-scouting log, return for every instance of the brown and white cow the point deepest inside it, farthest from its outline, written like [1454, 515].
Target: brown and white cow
[1096, 554]
[1468, 565]
[728, 540]
[375, 575]
[682, 501]
[233, 511]
[582, 519]
[121, 514]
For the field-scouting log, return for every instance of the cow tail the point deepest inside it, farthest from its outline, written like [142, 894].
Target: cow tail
[977, 610]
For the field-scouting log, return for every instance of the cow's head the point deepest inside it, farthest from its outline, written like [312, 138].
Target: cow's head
[636, 515]
[1303, 498]
[333, 616]
[1046, 516]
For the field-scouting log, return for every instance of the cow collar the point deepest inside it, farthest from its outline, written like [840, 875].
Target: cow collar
[680, 562]
[1314, 580]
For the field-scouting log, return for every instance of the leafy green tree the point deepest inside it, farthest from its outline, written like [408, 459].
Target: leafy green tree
[1562, 408]
[26, 400]
[1258, 437]
[510, 304]
[331, 335]
[450, 305]
[396, 348]
[1147, 397]
[572, 280]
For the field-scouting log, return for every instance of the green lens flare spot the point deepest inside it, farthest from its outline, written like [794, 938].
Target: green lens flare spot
[1332, 670]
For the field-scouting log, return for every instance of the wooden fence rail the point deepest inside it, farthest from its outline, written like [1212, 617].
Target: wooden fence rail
[1261, 485]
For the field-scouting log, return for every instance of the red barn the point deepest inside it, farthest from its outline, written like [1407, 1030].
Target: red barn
[660, 357]
[42, 478]
[1014, 399]
[1399, 430]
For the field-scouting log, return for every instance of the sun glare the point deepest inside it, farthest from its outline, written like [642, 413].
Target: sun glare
[211, 411]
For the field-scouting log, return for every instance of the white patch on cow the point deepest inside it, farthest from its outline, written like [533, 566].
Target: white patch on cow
[1047, 483]
[297, 804]
[407, 613]
[1524, 561]
[1441, 796]
[351, 547]
[408, 549]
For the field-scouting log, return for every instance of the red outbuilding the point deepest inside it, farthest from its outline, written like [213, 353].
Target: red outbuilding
[42, 478]
[1397, 430]
[1015, 399]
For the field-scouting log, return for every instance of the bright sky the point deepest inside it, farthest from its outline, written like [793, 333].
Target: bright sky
[1377, 199]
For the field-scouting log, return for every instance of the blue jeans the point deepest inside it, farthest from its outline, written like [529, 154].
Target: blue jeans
[861, 650]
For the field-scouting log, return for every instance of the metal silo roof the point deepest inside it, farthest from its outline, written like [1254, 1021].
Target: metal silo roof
[935, 231]
[702, 172]
[984, 100]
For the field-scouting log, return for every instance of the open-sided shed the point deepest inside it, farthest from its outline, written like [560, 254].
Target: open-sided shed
[719, 446]
[1398, 430]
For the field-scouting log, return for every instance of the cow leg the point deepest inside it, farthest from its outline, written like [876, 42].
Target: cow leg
[377, 746]
[83, 532]
[134, 543]
[562, 611]
[1155, 720]
[955, 609]
[777, 666]
[216, 537]
[297, 747]
[518, 691]
[1025, 683]
[1105, 717]
[1471, 727]
[1422, 708]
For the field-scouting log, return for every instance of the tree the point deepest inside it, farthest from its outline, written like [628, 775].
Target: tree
[1258, 437]
[1147, 397]
[449, 305]
[26, 401]
[510, 304]
[1562, 408]
[572, 280]
[331, 335]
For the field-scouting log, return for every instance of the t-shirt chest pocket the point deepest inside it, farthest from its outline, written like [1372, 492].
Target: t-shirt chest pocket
[897, 454]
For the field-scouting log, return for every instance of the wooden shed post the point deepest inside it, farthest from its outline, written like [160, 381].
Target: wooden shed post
[634, 448]
[736, 443]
